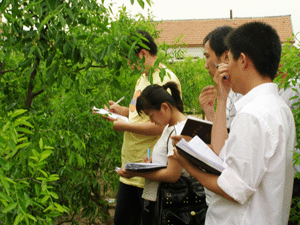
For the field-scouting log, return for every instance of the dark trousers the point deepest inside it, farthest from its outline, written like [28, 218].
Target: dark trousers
[296, 193]
[148, 213]
[129, 205]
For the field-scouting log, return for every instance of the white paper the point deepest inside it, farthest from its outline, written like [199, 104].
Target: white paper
[198, 149]
[111, 115]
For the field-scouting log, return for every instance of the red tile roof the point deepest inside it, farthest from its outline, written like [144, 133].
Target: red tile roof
[194, 31]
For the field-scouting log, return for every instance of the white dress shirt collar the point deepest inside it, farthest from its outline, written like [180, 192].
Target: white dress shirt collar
[265, 88]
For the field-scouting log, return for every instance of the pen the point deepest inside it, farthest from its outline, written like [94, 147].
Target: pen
[119, 100]
[217, 66]
[148, 153]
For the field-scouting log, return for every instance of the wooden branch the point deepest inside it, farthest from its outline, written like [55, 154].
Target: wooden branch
[37, 93]
[6, 71]
[29, 94]
[67, 221]
[92, 66]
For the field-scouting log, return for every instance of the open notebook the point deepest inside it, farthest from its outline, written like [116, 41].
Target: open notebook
[197, 152]
[143, 166]
[110, 114]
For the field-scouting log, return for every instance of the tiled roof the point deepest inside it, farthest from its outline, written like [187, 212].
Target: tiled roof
[194, 31]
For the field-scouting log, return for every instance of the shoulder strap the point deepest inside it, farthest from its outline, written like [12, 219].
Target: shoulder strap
[168, 140]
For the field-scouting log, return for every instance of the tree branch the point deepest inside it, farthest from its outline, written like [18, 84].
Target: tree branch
[67, 221]
[6, 71]
[92, 66]
[37, 93]
[30, 95]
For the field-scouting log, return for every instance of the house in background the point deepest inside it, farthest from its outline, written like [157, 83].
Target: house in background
[194, 31]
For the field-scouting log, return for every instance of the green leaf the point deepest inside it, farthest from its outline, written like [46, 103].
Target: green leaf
[53, 177]
[37, 190]
[66, 48]
[44, 22]
[31, 217]
[24, 130]
[25, 63]
[23, 145]
[44, 173]
[82, 37]
[45, 154]
[49, 59]
[17, 113]
[103, 53]
[14, 135]
[132, 49]
[62, 20]
[53, 194]
[10, 180]
[41, 145]
[44, 199]
[4, 164]
[52, 70]
[141, 3]
[50, 207]
[12, 145]
[132, 2]
[10, 207]
[25, 123]
[71, 15]
[5, 197]
[18, 219]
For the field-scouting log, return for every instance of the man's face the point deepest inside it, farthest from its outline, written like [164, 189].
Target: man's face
[233, 73]
[211, 58]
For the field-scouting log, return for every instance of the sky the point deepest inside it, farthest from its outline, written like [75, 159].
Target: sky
[200, 9]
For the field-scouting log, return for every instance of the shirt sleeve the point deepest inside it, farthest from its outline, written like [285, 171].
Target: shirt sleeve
[251, 144]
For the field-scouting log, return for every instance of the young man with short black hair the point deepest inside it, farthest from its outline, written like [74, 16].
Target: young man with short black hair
[216, 52]
[256, 186]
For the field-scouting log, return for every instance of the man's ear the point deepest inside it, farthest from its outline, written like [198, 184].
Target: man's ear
[144, 53]
[224, 57]
[245, 61]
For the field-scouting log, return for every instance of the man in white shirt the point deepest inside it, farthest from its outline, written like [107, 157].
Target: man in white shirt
[216, 52]
[256, 186]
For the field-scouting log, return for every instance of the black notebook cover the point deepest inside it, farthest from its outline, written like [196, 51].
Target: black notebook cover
[195, 126]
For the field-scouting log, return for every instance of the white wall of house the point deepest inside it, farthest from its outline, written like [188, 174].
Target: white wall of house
[196, 52]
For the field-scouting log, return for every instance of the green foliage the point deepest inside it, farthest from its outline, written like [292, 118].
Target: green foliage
[58, 59]
[193, 77]
[26, 190]
[290, 62]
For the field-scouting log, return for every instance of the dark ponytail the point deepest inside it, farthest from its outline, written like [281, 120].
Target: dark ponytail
[154, 95]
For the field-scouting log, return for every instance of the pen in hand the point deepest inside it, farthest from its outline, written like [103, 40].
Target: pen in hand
[217, 66]
[117, 102]
[148, 153]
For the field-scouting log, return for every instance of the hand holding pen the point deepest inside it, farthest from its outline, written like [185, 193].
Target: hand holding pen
[222, 81]
[114, 107]
[217, 66]
[147, 159]
[117, 102]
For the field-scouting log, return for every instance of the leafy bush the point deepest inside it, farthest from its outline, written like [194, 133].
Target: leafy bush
[290, 62]
[26, 190]
[193, 77]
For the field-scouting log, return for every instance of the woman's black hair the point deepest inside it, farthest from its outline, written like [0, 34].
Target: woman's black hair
[149, 42]
[154, 95]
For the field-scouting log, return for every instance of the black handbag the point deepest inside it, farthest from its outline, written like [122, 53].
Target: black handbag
[180, 203]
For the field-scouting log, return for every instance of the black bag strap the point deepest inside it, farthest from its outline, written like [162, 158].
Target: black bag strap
[168, 140]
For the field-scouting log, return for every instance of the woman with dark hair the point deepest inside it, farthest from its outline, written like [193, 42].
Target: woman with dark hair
[164, 108]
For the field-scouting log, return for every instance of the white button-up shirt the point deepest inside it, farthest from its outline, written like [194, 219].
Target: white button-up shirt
[258, 153]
